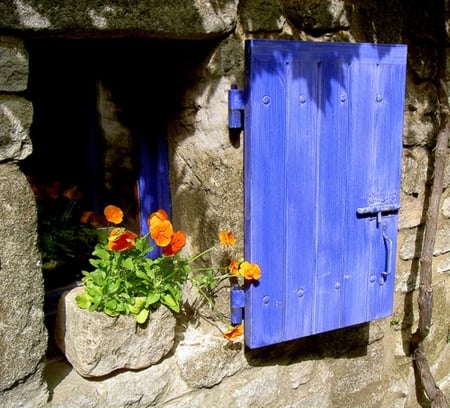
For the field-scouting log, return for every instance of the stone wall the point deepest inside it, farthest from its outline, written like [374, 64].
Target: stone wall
[366, 365]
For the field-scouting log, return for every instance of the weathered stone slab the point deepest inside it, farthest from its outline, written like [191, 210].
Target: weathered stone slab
[316, 15]
[97, 344]
[153, 18]
[13, 65]
[16, 115]
[22, 331]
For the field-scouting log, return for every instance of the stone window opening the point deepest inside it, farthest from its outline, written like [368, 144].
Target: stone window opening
[93, 101]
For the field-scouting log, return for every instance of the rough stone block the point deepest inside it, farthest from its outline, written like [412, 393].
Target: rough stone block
[16, 115]
[262, 15]
[97, 344]
[316, 15]
[22, 331]
[13, 65]
[170, 19]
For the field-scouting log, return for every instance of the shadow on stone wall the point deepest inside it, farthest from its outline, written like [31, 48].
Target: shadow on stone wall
[344, 343]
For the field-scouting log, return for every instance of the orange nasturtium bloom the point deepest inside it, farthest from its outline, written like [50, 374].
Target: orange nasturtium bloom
[177, 242]
[161, 232]
[121, 240]
[250, 271]
[157, 217]
[233, 267]
[227, 238]
[233, 332]
[73, 193]
[113, 214]
[87, 217]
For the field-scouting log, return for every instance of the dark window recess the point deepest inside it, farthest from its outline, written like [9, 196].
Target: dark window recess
[323, 138]
[99, 130]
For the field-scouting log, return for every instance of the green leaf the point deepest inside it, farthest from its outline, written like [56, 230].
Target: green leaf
[83, 301]
[142, 275]
[101, 252]
[139, 303]
[170, 302]
[128, 263]
[142, 316]
[152, 298]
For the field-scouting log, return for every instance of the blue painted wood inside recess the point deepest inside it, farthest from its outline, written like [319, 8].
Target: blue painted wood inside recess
[323, 136]
[153, 182]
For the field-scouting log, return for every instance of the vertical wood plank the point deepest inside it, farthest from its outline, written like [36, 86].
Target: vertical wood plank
[301, 175]
[265, 241]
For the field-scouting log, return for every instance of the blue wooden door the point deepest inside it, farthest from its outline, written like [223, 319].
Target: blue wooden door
[323, 136]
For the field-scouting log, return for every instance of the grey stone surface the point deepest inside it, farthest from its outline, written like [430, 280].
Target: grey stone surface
[22, 330]
[97, 344]
[16, 114]
[152, 18]
[316, 15]
[13, 65]
[261, 15]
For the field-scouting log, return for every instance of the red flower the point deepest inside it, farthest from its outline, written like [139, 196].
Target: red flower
[54, 190]
[177, 242]
[121, 240]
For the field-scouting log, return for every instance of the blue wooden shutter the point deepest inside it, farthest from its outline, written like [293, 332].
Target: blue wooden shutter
[323, 136]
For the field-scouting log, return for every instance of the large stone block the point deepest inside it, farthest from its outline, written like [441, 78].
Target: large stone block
[16, 115]
[97, 344]
[22, 331]
[13, 65]
[316, 15]
[261, 15]
[154, 18]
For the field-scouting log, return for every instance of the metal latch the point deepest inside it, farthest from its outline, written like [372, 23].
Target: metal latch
[378, 210]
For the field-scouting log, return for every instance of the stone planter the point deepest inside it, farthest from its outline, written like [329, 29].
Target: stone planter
[97, 345]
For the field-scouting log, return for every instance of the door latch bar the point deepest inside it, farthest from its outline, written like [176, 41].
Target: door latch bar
[378, 210]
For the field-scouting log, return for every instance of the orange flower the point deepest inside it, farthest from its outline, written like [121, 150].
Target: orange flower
[161, 232]
[233, 267]
[176, 243]
[227, 238]
[73, 193]
[113, 214]
[233, 332]
[95, 220]
[156, 217]
[250, 271]
[121, 240]
[87, 217]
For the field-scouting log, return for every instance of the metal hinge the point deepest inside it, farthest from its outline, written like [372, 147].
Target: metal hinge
[235, 108]
[237, 303]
